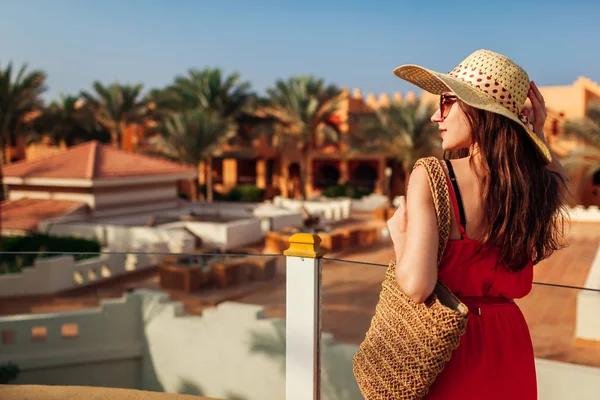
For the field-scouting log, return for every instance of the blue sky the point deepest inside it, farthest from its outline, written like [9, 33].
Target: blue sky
[349, 43]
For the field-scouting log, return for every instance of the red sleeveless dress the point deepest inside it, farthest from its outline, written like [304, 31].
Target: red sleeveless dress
[495, 357]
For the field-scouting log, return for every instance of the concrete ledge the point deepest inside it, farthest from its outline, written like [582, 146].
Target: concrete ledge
[584, 214]
[588, 303]
[78, 356]
[42, 392]
[558, 381]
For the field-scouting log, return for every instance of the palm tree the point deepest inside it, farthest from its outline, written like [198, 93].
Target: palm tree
[19, 103]
[583, 162]
[190, 137]
[588, 127]
[209, 89]
[116, 106]
[68, 120]
[164, 102]
[403, 130]
[304, 109]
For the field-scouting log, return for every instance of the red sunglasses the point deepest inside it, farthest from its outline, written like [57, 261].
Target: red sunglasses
[446, 102]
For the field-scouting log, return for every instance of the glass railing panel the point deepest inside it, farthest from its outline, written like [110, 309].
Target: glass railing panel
[206, 322]
[561, 316]
[350, 291]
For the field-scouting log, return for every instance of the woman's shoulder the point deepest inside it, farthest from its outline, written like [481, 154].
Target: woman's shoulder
[418, 184]
[426, 160]
[428, 163]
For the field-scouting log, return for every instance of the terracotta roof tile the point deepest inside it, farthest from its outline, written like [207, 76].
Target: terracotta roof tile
[94, 160]
[25, 214]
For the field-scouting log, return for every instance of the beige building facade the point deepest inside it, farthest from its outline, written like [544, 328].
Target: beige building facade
[331, 164]
[258, 164]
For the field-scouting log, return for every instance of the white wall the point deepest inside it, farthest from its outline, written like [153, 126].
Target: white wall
[115, 234]
[557, 381]
[213, 353]
[106, 352]
[126, 238]
[231, 208]
[275, 218]
[87, 198]
[224, 235]
[271, 217]
[132, 194]
[158, 194]
[117, 213]
[588, 305]
[218, 353]
[583, 214]
[370, 202]
[177, 240]
[330, 209]
[52, 275]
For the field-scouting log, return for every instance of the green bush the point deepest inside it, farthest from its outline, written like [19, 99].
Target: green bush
[246, 193]
[216, 195]
[335, 191]
[39, 243]
[359, 193]
[345, 190]
[8, 373]
[243, 193]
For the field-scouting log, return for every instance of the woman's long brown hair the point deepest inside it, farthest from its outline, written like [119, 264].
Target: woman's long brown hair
[523, 202]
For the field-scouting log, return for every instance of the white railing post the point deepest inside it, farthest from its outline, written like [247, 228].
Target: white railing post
[303, 318]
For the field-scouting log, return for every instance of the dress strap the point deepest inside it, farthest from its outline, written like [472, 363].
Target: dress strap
[459, 210]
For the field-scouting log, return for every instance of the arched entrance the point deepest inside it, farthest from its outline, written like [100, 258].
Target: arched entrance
[364, 177]
[294, 170]
[294, 182]
[596, 178]
[589, 190]
[327, 175]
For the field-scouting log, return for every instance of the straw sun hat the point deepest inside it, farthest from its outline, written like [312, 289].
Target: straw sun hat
[485, 80]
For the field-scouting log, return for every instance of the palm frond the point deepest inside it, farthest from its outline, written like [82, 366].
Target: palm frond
[304, 107]
[402, 130]
[68, 120]
[117, 105]
[192, 136]
[583, 128]
[211, 90]
[19, 100]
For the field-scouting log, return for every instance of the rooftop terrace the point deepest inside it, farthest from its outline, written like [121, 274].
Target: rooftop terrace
[180, 326]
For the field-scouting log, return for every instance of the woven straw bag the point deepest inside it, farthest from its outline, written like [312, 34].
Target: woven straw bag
[408, 344]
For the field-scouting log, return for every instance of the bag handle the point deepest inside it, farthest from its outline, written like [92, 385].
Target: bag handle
[441, 199]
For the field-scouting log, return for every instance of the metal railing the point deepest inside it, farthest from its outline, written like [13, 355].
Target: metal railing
[303, 299]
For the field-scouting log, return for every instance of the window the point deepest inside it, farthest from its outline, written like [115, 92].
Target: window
[597, 178]
[92, 275]
[9, 336]
[246, 172]
[78, 277]
[105, 271]
[39, 333]
[270, 171]
[217, 170]
[69, 330]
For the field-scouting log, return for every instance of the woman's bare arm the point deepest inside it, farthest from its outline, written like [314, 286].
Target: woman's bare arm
[416, 266]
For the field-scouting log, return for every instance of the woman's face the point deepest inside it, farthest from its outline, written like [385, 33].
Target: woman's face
[453, 124]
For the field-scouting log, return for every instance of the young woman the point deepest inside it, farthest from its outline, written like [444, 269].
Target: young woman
[508, 195]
